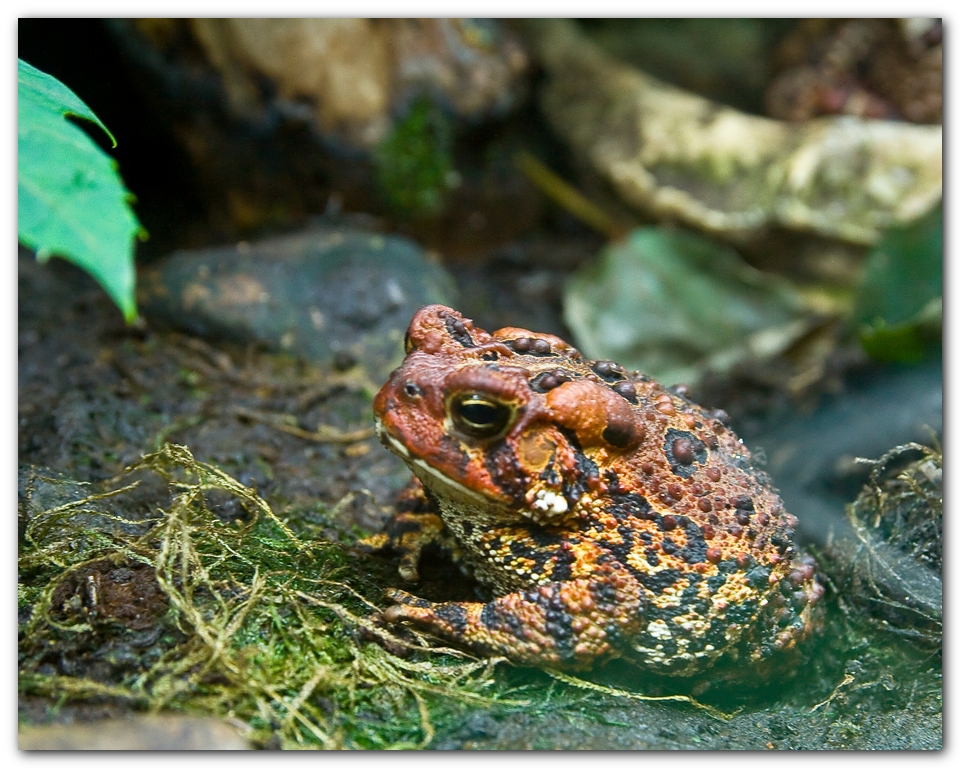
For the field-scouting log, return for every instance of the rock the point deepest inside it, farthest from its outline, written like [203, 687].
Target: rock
[673, 154]
[276, 121]
[812, 456]
[332, 296]
[347, 76]
[149, 732]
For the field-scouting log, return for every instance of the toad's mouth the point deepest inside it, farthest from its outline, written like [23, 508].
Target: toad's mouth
[431, 477]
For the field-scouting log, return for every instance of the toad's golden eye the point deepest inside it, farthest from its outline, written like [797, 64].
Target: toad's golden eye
[480, 416]
[408, 346]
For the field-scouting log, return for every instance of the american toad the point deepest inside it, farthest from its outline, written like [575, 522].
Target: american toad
[609, 516]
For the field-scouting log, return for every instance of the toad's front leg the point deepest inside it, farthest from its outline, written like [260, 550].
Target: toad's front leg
[566, 624]
[415, 526]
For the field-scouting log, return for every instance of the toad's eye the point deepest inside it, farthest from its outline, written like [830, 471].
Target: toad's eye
[480, 416]
[408, 345]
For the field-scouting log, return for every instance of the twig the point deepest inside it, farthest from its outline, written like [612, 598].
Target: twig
[567, 197]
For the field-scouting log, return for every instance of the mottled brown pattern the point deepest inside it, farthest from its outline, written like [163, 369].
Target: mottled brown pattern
[610, 516]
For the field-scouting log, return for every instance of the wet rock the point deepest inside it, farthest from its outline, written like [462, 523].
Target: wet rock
[150, 732]
[333, 296]
[812, 457]
[40, 488]
[673, 154]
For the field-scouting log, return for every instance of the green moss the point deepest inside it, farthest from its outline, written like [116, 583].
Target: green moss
[261, 624]
[415, 161]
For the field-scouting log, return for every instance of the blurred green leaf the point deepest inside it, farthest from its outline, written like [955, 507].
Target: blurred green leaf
[71, 201]
[672, 304]
[899, 306]
[905, 342]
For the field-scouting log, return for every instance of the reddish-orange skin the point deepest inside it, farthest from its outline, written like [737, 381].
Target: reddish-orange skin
[610, 516]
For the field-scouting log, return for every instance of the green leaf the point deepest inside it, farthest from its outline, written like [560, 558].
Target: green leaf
[71, 201]
[899, 305]
[673, 304]
[907, 342]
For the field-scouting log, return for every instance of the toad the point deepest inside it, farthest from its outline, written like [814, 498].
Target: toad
[608, 515]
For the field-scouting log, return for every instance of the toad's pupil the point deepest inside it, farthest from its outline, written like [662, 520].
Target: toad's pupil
[480, 414]
[479, 417]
